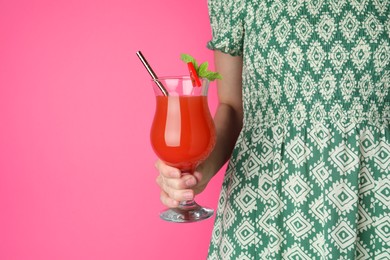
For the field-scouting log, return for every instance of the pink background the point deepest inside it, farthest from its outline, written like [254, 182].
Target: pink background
[77, 179]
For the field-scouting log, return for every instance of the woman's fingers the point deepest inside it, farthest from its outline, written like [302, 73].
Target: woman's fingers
[175, 188]
[166, 170]
[174, 185]
[168, 201]
[183, 182]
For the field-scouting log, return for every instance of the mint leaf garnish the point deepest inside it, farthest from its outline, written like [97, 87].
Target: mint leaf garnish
[188, 58]
[210, 75]
[202, 69]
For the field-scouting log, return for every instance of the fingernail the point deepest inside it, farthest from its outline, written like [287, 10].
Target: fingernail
[175, 174]
[190, 182]
[175, 203]
[188, 195]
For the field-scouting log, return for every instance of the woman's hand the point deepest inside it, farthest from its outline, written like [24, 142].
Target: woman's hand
[177, 186]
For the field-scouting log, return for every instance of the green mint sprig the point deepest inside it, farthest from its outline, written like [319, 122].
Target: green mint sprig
[202, 69]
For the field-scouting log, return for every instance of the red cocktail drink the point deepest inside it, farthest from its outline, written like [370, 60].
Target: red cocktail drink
[183, 135]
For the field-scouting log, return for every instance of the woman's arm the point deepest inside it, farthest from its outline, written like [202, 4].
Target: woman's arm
[229, 115]
[228, 123]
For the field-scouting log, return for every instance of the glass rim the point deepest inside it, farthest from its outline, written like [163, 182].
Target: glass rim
[183, 77]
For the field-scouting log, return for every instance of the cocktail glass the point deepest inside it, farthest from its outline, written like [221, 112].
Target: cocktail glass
[182, 135]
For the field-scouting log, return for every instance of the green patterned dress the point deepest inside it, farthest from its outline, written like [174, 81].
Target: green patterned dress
[309, 177]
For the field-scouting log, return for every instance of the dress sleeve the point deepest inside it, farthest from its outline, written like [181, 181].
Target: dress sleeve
[227, 26]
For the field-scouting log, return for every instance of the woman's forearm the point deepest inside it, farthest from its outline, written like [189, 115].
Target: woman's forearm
[229, 114]
[228, 124]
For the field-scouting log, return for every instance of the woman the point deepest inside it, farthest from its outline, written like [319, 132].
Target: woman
[304, 121]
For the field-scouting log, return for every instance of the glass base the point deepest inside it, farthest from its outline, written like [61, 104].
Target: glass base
[187, 212]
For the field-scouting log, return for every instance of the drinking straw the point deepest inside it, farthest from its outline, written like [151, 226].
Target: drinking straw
[151, 72]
